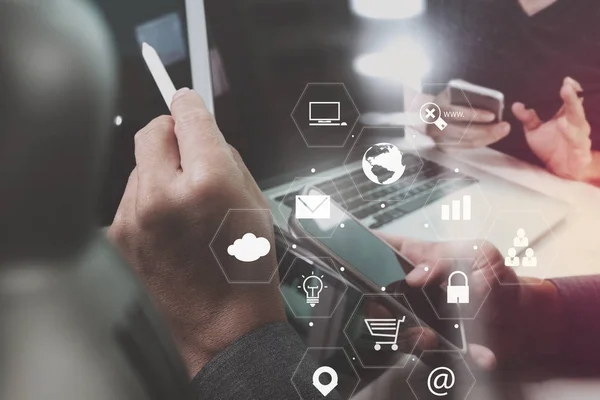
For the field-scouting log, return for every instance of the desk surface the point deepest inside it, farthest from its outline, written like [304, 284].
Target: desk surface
[579, 253]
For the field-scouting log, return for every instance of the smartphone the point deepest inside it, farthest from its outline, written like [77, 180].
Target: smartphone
[466, 94]
[370, 264]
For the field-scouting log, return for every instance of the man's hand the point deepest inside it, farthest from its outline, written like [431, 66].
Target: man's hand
[186, 180]
[473, 129]
[563, 143]
[510, 323]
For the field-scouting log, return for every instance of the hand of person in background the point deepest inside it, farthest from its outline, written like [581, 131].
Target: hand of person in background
[563, 143]
[186, 180]
[510, 323]
[480, 132]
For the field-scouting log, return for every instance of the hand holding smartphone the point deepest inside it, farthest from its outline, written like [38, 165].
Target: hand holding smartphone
[370, 264]
[466, 94]
[473, 115]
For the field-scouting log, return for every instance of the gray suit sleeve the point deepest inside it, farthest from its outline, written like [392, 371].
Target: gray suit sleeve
[259, 366]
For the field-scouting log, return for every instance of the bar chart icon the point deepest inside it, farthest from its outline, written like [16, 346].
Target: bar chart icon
[459, 210]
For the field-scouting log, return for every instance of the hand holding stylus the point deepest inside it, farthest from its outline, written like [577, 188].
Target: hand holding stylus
[186, 180]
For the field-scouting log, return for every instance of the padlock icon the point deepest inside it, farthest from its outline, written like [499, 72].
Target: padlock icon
[458, 294]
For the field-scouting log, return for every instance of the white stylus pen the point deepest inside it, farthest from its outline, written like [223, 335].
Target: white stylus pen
[159, 73]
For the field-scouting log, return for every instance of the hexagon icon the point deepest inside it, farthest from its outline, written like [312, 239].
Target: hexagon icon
[459, 289]
[305, 206]
[239, 253]
[457, 209]
[329, 369]
[325, 115]
[379, 338]
[383, 165]
[527, 243]
[313, 287]
[450, 378]
[436, 117]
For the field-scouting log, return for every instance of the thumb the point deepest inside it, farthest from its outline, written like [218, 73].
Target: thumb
[574, 110]
[528, 117]
[414, 250]
[483, 357]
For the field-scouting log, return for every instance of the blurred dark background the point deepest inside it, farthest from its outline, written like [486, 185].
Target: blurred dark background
[264, 53]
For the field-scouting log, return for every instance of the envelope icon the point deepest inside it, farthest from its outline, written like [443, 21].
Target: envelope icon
[313, 207]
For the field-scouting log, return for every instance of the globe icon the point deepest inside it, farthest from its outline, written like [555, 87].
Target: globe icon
[382, 164]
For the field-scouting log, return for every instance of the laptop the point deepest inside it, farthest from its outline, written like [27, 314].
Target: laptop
[325, 113]
[253, 70]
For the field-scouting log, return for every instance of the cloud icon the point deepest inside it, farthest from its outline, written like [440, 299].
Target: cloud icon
[249, 248]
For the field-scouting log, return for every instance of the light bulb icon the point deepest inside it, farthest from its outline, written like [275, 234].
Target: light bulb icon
[313, 286]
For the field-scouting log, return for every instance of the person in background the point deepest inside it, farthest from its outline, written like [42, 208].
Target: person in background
[530, 50]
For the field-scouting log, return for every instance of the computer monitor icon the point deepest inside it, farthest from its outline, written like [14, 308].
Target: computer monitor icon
[325, 113]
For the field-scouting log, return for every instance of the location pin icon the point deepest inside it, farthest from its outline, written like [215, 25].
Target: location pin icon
[325, 389]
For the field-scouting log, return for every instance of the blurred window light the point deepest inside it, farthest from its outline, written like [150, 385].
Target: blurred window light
[405, 62]
[387, 9]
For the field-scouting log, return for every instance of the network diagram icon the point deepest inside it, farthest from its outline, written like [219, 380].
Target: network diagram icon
[519, 242]
[527, 241]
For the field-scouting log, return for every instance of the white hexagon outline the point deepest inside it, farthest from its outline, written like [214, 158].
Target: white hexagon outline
[326, 348]
[432, 225]
[464, 362]
[456, 318]
[448, 144]
[358, 114]
[360, 302]
[316, 179]
[332, 263]
[287, 247]
[550, 232]
[408, 188]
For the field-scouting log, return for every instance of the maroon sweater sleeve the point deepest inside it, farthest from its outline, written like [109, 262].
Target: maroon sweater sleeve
[581, 299]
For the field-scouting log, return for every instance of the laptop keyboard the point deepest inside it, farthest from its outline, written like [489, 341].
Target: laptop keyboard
[400, 198]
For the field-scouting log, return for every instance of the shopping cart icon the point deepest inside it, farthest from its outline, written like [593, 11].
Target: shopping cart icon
[385, 328]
